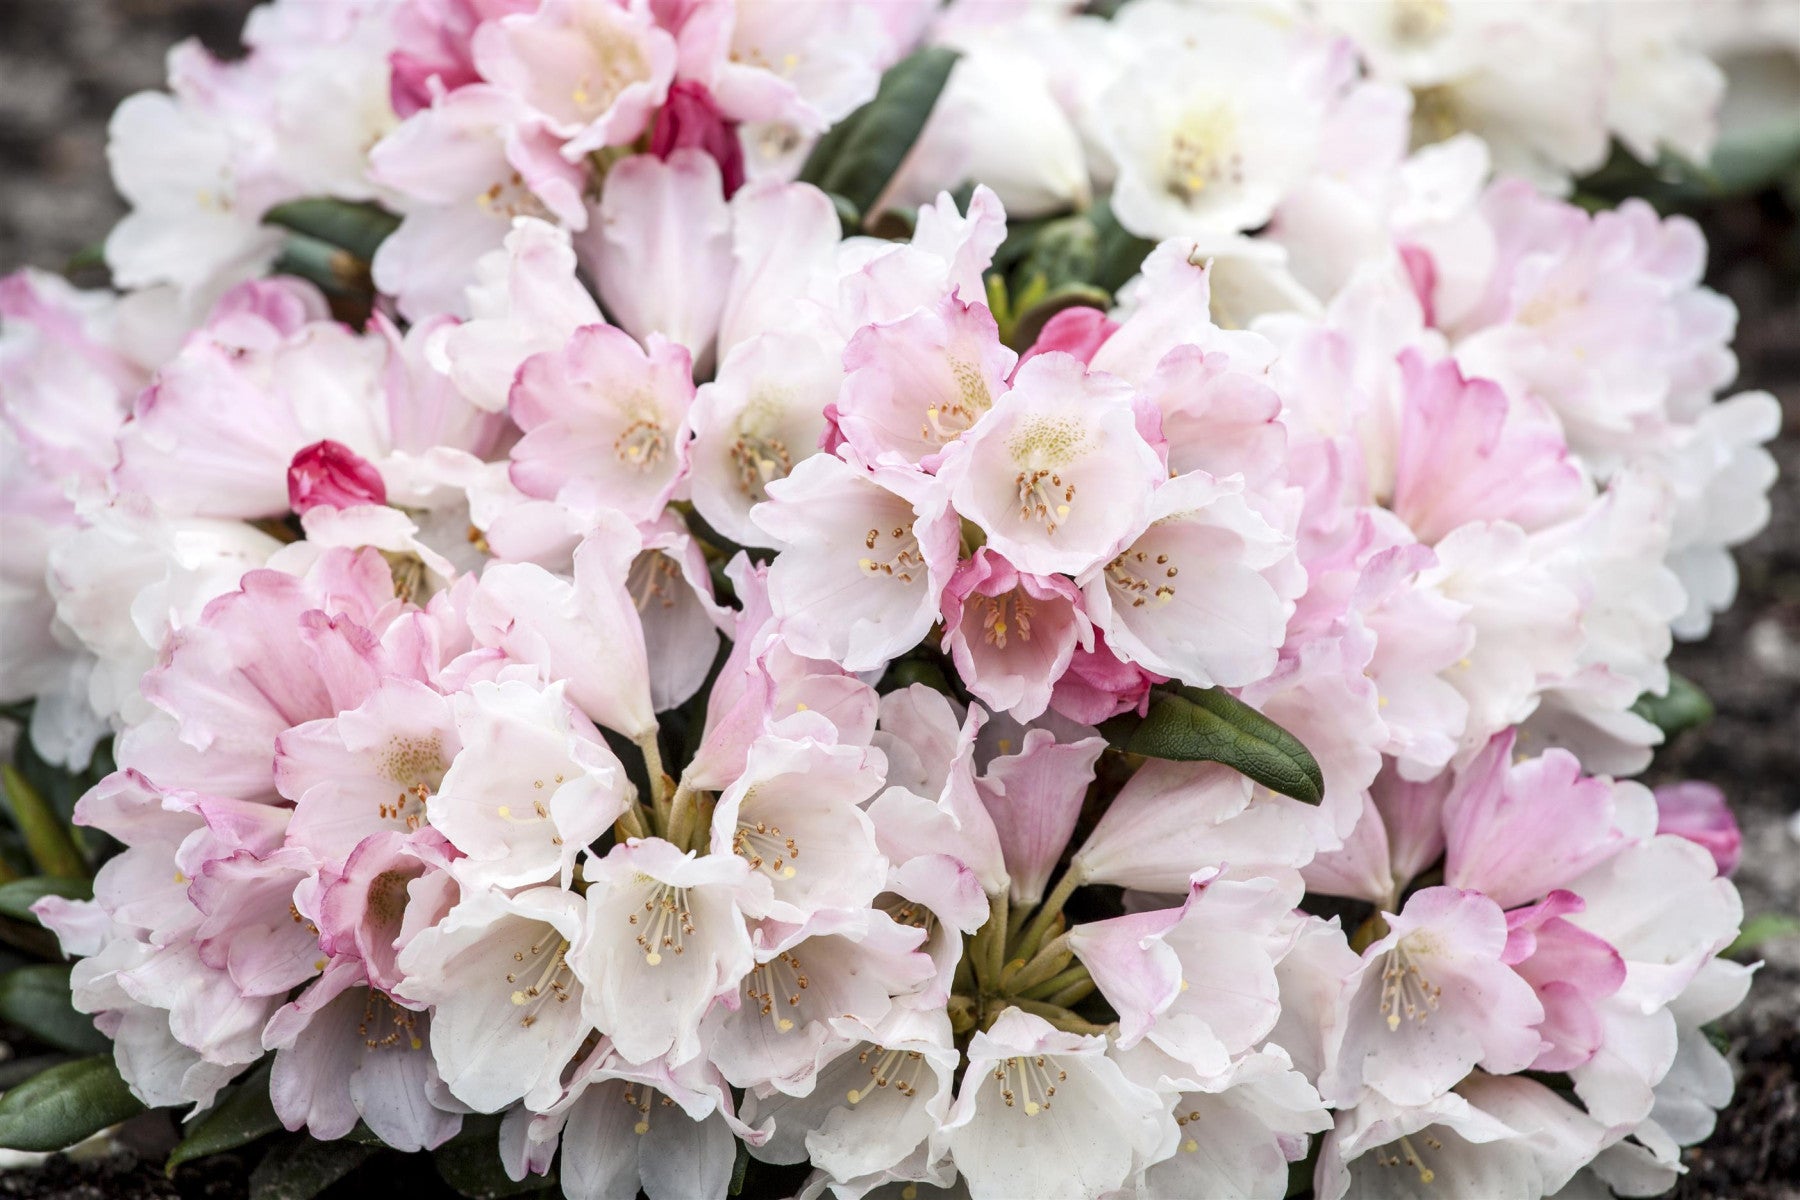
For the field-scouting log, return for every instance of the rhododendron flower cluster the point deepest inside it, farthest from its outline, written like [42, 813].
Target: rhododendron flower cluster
[674, 673]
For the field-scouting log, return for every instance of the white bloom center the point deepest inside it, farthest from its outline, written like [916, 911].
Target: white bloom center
[545, 965]
[665, 922]
[780, 981]
[1406, 994]
[1202, 153]
[1028, 1083]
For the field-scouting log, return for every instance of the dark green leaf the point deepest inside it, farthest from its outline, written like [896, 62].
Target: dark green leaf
[357, 228]
[36, 999]
[470, 1163]
[300, 1168]
[46, 837]
[335, 270]
[1683, 707]
[859, 155]
[17, 897]
[907, 671]
[1065, 251]
[64, 1105]
[1211, 725]
[1120, 253]
[739, 1169]
[243, 1116]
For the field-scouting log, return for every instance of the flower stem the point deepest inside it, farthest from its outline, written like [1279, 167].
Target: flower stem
[1047, 962]
[1058, 1016]
[1052, 907]
[660, 790]
[1046, 989]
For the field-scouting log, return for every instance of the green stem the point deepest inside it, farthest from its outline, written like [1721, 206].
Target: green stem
[1052, 907]
[660, 792]
[1075, 993]
[1048, 988]
[996, 945]
[1047, 962]
[1058, 1016]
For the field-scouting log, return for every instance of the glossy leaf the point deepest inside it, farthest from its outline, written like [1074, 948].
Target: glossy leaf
[1683, 707]
[1211, 725]
[357, 228]
[36, 999]
[65, 1105]
[46, 837]
[859, 156]
[301, 1168]
[244, 1115]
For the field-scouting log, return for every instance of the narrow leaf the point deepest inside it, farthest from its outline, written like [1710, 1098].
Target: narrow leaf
[859, 156]
[1683, 707]
[1211, 725]
[301, 1168]
[46, 837]
[358, 228]
[244, 1115]
[17, 897]
[1760, 929]
[36, 999]
[65, 1105]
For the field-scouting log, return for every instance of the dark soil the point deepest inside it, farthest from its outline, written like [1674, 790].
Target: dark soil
[64, 65]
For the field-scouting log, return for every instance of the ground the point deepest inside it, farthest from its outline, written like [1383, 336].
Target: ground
[64, 65]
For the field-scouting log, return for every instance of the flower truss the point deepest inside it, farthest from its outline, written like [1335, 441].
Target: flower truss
[686, 643]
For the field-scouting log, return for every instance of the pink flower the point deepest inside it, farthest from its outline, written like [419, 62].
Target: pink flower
[690, 117]
[1012, 635]
[332, 474]
[1099, 684]
[1078, 332]
[1699, 813]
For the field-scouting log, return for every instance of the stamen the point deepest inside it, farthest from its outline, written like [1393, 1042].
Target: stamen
[550, 981]
[995, 627]
[1043, 496]
[780, 980]
[1139, 578]
[759, 461]
[1405, 992]
[765, 847]
[383, 1030]
[642, 445]
[1028, 1082]
[1202, 153]
[903, 561]
[664, 923]
[654, 578]
[1407, 1156]
[898, 1069]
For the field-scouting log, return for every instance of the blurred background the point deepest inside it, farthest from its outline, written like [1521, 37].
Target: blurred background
[64, 65]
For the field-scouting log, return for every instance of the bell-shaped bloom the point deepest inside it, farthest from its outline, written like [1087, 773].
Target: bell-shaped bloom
[661, 249]
[389, 887]
[1571, 970]
[865, 554]
[1698, 812]
[1210, 131]
[585, 629]
[873, 1107]
[1045, 1113]
[794, 818]
[759, 416]
[250, 927]
[1057, 476]
[1199, 980]
[532, 785]
[1238, 1130]
[506, 1002]
[1034, 797]
[1078, 332]
[921, 382]
[595, 70]
[345, 1052]
[1012, 635]
[1203, 592]
[1151, 836]
[525, 300]
[673, 590]
[841, 965]
[604, 422]
[1516, 830]
[665, 937]
[1467, 453]
[368, 769]
[1432, 999]
[1495, 1136]
[627, 1128]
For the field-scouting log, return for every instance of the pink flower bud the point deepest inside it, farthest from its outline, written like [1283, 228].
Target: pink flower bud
[689, 117]
[1078, 331]
[332, 474]
[1699, 813]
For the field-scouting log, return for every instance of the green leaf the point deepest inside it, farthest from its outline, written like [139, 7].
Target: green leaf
[859, 155]
[357, 228]
[1682, 708]
[335, 270]
[470, 1163]
[1210, 725]
[36, 999]
[301, 1168]
[244, 1115]
[65, 1104]
[739, 1169]
[1120, 253]
[1763, 927]
[1064, 251]
[17, 897]
[46, 837]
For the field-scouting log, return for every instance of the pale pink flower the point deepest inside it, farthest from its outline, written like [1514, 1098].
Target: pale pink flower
[866, 553]
[604, 422]
[1058, 475]
[1034, 796]
[1012, 635]
[1698, 812]
[1432, 999]
[665, 937]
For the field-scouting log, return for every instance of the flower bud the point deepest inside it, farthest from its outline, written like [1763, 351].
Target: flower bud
[332, 474]
[1699, 813]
